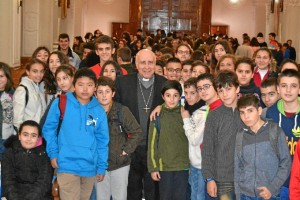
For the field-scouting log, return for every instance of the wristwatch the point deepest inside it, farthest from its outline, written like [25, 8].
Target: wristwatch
[209, 179]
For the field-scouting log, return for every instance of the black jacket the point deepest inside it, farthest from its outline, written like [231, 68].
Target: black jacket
[26, 174]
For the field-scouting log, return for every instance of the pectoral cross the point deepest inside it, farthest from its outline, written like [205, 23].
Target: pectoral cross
[146, 109]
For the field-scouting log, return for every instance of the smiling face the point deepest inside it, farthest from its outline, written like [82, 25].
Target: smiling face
[29, 137]
[206, 91]
[198, 70]
[183, 53]
[54, 63]
[36, 72]
[145, 63]
[171, 98]
[262, 59]
[104, 51]
[64, 82]
[173, 71]
[64, 44]
[227, 64]
[289, 89]
[84, 89]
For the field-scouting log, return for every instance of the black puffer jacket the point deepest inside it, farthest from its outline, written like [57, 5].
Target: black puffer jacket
[26, 174]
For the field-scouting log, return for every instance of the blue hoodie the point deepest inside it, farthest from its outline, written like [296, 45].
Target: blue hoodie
[81, 147]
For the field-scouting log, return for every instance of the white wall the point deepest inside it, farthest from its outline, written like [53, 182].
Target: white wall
[98, 15]
[240, 18]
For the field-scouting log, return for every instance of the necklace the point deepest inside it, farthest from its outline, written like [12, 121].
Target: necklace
[146, 103]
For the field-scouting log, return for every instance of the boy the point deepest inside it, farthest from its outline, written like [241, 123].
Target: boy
[168, 160]
[173, 69]
[285, 112]
[220, 130]
[262, 161]
[186, 72]
[79, 150]
[64, 46]
[104, 47]
[121, 123]
[269, 93]
[244, 70]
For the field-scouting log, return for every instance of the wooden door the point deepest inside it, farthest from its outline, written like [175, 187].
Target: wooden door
[119, 28]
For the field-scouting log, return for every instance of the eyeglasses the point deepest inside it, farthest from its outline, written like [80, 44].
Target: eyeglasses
[174, 70]
[203, 88]
[183, 52]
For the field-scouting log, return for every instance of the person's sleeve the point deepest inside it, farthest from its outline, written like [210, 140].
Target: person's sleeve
[152, 154]
[102, 138]
[284, 165]
[19, 102]
[194, 128]
[43, 185]
[8, 176]
[50, 130]
[237, 172]
[208, 146]
[133, 128]
[295, 176]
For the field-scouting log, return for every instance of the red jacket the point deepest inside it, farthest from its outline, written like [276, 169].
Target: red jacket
[295, 176]
[258, 80]
[97, 70]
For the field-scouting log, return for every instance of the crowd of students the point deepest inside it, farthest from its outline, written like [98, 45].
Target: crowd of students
[170, 118]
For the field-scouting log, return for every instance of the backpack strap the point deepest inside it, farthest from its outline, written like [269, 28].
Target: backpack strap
[120, 120]
[26, 94]
[157, 127]
[239, 142]
[62, 102]
[273, 135]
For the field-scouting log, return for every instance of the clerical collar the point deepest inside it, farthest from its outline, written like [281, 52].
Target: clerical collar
[146, 82]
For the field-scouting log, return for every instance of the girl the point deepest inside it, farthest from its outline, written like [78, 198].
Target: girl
[263, 59]
[29, 99]
[26, 169]
[6, 105]
[41, 53]
[168, 160]
[56, 59]
[64, 78]
[111, 69]
[120, 121]
[219, 49]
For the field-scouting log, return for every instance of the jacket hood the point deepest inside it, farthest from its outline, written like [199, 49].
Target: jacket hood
[281, 109]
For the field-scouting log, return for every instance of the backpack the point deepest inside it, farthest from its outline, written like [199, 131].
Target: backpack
[120, 120]
[26, 94]
[274, 132]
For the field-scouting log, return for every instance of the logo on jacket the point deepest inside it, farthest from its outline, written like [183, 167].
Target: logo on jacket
[91, 121]
[296, 131]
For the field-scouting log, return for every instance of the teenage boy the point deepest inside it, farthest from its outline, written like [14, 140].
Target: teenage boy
[173, 69]
[262, 161]
[104, 47]
[121, 123]
[186, 72]
[220, 130]
[64, 46]
[244, 70]
[78, 147]
[269, 92]
[285, 112]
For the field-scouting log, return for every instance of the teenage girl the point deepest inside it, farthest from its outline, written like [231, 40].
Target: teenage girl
[29, 98]
[263, 59]
[55, 60]
[42, 53]
[6, 105]
[219, 49]
[111, 69]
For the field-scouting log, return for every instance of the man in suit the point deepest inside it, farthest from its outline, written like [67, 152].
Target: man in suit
[141, 94]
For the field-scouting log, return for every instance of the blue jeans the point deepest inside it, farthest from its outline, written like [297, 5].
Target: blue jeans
[244, 197]
[197, 183]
